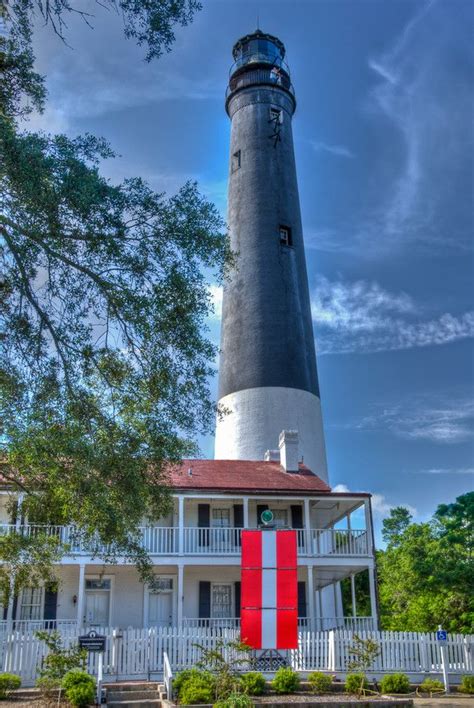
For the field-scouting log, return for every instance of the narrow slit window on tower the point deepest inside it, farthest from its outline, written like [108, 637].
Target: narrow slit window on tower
[276, 115]
[236, 160]
[286, 238]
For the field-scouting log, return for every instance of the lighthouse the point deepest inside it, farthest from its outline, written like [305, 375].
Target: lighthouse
[268, 381]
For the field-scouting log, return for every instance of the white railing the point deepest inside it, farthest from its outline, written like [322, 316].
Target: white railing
[160, 540]
[167, 677]
[313, 624]
[139, 653]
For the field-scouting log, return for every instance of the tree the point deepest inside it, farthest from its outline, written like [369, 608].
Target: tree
[426, 574]
[394, 526]
[104, 379]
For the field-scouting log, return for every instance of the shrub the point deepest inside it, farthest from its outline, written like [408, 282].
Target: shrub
[48, 687]
[430, 685]
[286, 680]
[79, 688]
[467, 684]
[356, 683]
[196, 689]
[235, 700]
[253, 683]
[184, 676]
[319, 682]
[395, 683]
[8, 683]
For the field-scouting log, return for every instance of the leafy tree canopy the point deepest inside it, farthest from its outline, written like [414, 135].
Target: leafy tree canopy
[105, 367]
[426, 574]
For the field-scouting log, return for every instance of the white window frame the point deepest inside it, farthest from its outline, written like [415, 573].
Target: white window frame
[220, 509]
[30, 605]
[97, 576]
[277, 511]
[231, 607]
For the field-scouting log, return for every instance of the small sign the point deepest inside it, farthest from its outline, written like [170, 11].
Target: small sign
[92, 641]
[267, 516]
[442, 635]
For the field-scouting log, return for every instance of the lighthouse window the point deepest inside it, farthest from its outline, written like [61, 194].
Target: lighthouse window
[276, 115]
[236, 160]
[285, 236]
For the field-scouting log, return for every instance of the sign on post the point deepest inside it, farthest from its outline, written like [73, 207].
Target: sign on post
[92, 641]
[442, 635]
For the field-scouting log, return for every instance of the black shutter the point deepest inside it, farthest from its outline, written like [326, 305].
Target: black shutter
[204, 521]
[204, 599]
[260, 509]
[296, 516]
[237, 598]
[50, 602]
[301, 598]
[239, 516]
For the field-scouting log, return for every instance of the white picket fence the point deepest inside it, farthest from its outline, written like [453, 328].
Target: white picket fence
[138, 653]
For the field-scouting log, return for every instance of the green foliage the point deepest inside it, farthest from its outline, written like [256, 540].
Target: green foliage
[286, 680]
[362, 595]
[426, 574]
[196, 689]
[394, 525]
[363, 653]
[183, 676]
[253, 683]
[235, 700]
[59, 660]
[395, 683]
[430, 686]
[356, 683]
[79, 688]
[319, 682]
[224, 662]
[467, 684]
[8, 683]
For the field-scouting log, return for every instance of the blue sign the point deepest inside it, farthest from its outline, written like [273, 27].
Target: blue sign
[442, 635]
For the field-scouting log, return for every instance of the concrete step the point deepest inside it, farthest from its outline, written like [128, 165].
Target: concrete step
[135, 704]
[132, 686]
[130, 695]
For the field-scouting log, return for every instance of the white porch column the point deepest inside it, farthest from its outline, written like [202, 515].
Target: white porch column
[312, 613]
[180, 595]
[368, 527]
[320, 609]
[353, 595]
[11, 594]
[180, 524]
[373, 597]
[245, 502]
[307, 526]
[81, 594]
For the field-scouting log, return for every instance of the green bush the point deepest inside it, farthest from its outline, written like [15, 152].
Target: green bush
[395, 683]
[8, 683]
[253, 683]
[48, 687]
[196, 689]
[79, 688]
[319, 682]
[355, 683]
[286, 680]
[430, 685]
[235, 700]
[467, 684]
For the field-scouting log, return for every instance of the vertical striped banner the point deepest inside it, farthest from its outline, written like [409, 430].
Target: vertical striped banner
[269, 591]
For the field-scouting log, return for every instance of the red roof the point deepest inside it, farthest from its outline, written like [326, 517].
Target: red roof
[244, 476]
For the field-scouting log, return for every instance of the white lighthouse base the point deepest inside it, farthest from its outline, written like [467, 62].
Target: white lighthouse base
[255, 418]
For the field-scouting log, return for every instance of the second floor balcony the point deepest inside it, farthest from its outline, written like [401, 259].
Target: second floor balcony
[198, 541]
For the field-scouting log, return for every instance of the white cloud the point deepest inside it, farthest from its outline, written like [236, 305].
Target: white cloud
[444, 422]
[216, 294]
[380, 505]
[337, 150]
[449, 471]
[361, 316]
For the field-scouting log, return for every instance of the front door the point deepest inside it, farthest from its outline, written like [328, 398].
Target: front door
[160, 610]
[97, 608]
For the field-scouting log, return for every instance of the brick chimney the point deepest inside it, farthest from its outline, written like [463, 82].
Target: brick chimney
[288, 444]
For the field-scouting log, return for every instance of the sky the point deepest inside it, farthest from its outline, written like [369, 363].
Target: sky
[384, 143]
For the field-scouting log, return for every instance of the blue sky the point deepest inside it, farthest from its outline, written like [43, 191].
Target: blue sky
[383, 138]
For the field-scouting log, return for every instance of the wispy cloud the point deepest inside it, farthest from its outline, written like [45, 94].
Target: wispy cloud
[216, 294]
[422, 419]
[361, 316]
[449, 471]
[337, 150]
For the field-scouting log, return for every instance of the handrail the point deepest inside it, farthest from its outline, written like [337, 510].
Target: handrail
[167, 676]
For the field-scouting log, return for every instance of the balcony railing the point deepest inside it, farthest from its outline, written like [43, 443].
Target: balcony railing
[259, 77]
[165, 541]
[314, 624]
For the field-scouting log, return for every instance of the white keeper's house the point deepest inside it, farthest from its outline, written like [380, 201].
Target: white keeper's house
[270, 449]
[196, 552]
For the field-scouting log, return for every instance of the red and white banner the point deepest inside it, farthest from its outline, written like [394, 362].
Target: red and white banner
[269, 591]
